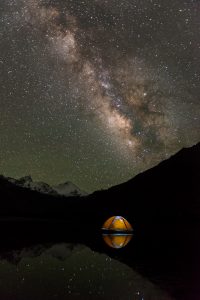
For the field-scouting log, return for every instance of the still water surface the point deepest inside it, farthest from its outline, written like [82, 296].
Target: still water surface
[71, 271]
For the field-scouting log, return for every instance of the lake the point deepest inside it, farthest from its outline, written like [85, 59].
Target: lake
[47, 260]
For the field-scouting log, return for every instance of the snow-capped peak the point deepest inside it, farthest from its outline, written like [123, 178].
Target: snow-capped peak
[27, 182]
[66, 189]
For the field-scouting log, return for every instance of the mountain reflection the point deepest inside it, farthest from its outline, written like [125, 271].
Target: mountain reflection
[68, 271]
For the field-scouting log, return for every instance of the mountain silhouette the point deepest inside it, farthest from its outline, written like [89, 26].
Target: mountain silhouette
[168, 191]
[162, 204]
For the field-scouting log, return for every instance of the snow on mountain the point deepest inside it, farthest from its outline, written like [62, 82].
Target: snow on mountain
[27, 182]
[69, 189]
[66, 189]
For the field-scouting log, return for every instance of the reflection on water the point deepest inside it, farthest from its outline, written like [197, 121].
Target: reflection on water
[68, 271]
[117, 241]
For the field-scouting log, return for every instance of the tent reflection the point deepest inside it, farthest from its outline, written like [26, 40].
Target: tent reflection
[117, 241]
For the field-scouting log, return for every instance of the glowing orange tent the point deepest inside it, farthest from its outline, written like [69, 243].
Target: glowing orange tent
[117, 223]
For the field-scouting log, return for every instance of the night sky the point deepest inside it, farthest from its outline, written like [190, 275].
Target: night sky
[96, 91]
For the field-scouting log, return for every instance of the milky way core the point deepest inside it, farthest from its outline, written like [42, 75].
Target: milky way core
[95, 92]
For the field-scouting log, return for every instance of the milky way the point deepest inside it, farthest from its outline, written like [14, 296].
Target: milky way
[96, 91]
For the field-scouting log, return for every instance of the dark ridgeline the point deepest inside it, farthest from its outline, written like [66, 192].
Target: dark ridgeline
[169, 191]
[162, 204]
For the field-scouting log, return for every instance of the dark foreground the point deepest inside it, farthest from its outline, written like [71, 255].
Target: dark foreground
[45, 240]
[55, 260]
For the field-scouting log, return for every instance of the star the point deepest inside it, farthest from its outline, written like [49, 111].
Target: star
[95, 92]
